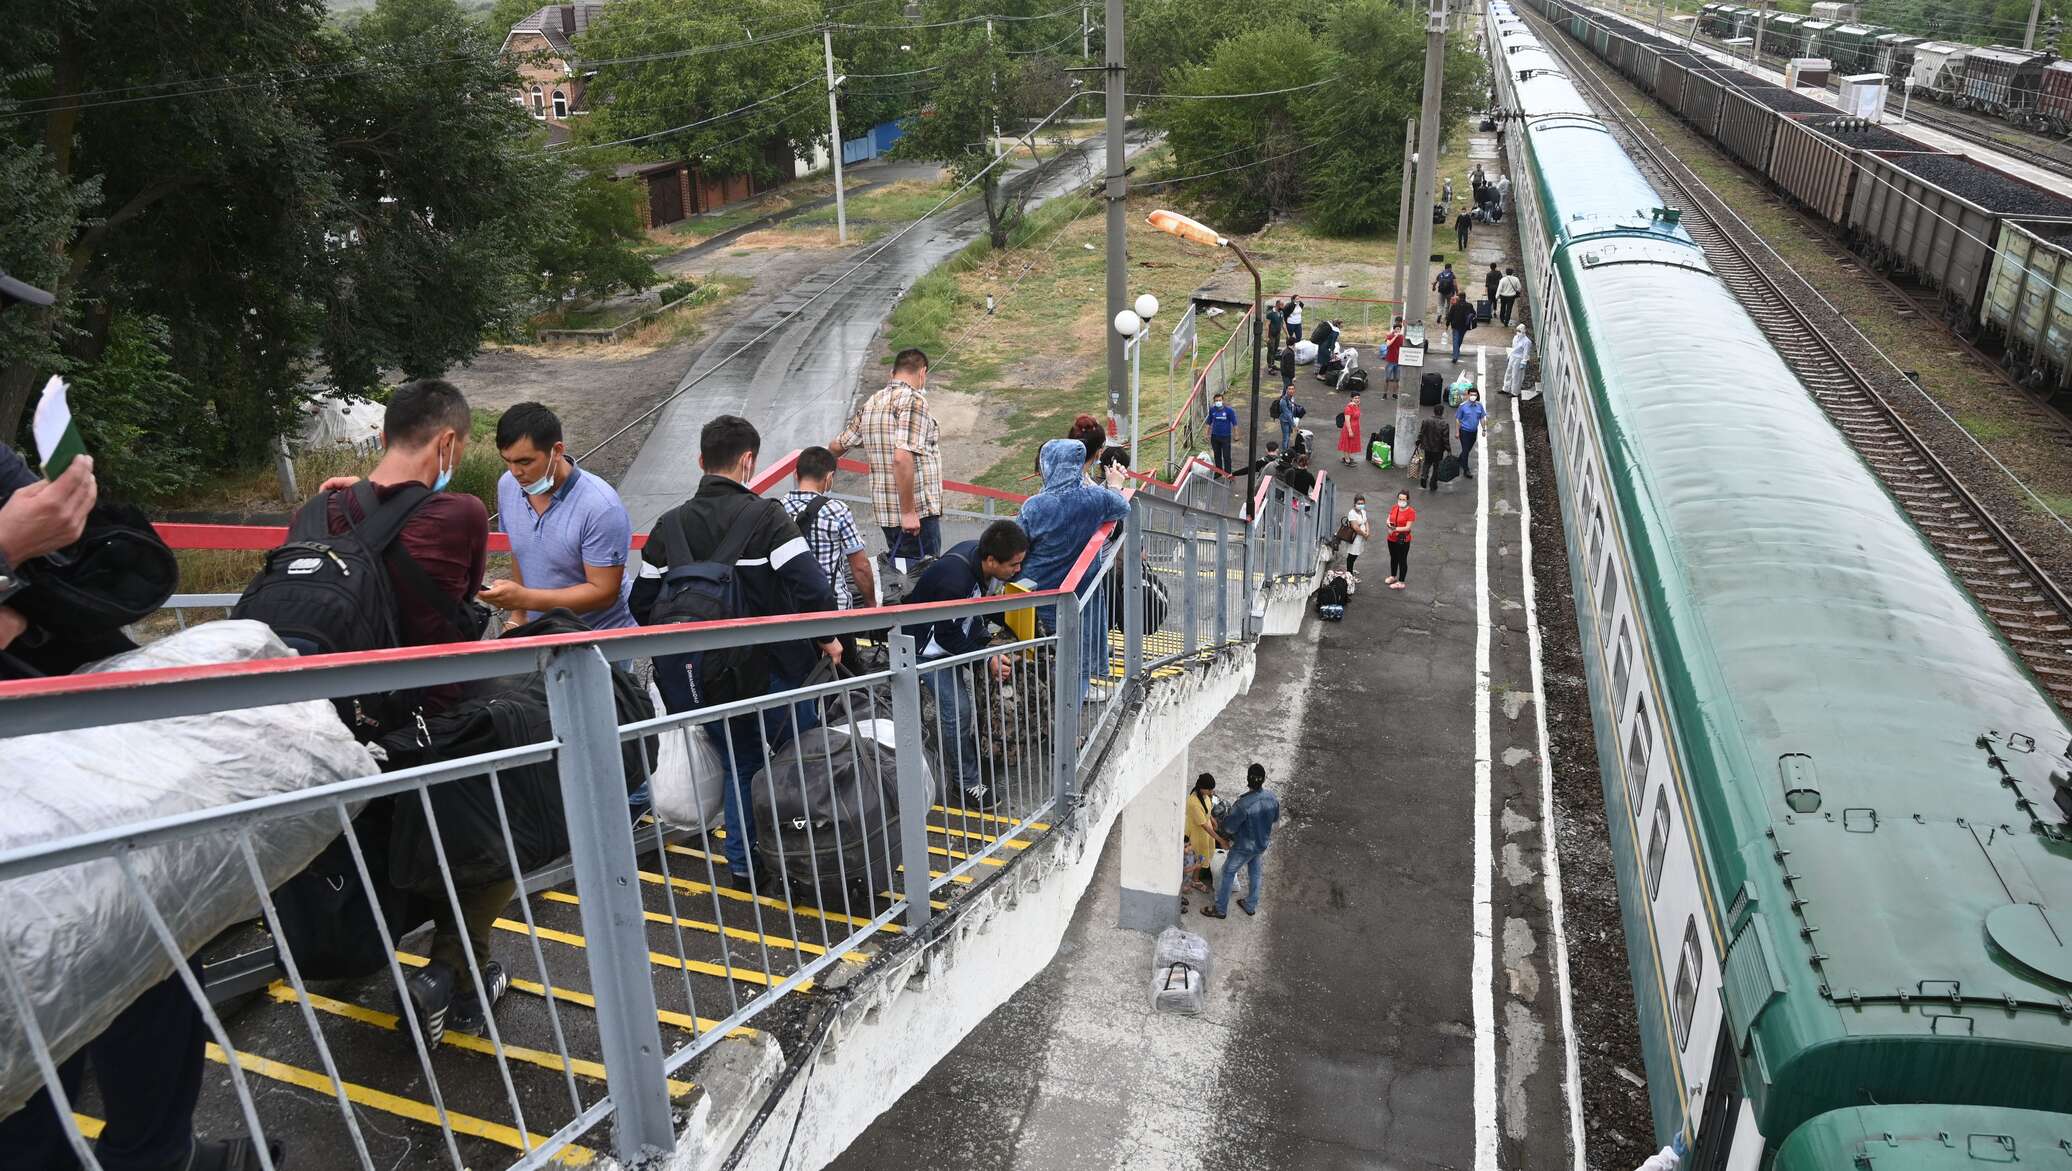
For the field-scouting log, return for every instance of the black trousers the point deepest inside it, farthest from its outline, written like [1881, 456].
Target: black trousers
[147, 1063]
[1351, 559]
[1399, 559]
[1503, 308]
[1430, 478]
[1467, 445]
[1220, 447]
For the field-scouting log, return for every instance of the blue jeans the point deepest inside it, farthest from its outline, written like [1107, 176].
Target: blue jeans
[1287, 432]
[1458, 335]
[1249, 861]
[951, 687]
[739, 742]
[931, 539]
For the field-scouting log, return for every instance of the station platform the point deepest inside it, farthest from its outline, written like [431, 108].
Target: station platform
[1395, 1001]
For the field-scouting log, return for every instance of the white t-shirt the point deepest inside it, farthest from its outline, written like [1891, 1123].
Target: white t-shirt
[1295, 315]
[1358, 519]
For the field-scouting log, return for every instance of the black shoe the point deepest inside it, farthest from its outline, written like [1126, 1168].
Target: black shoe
[757, 874]
[977, 797]
[1213, 913]
[1247, 910]
[466, 1014]
[430, 1001]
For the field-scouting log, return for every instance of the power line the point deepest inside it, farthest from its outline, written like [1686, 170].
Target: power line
[1264, 93]
[693, 125]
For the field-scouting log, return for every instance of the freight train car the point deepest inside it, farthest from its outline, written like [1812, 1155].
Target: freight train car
[1834, 795]
[2002, 81]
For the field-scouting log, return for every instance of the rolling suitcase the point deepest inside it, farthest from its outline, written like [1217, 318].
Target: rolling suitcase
[1431, 389]
[1484, 311]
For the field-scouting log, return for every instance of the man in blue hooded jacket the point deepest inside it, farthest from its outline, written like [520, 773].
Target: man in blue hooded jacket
[1060, 519]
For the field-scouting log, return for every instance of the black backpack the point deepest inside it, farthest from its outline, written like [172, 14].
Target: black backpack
[1446, 285]
[1333, 593]
[324, 593]
[709, 590]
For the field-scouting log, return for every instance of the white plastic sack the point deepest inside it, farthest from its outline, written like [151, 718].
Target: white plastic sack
[1181, 947]
[77, 935]
[340, 422]
[1305, 352]
[687, 784]
[1177, 988]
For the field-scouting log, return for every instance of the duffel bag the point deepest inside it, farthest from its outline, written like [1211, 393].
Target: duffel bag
[1156, 602]
[827, 810]
[1449, 469]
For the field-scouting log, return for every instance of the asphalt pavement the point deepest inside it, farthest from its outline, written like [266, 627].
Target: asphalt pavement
[809, 349]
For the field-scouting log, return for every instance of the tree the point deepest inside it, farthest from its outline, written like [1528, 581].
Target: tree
[589, 249]
[728, 111]
[988, 82]
[1261, 145]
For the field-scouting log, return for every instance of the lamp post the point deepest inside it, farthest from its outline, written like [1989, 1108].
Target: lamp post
[1134, 324]
[1173, 223]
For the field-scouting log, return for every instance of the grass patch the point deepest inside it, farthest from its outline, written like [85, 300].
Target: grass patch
[1040, 358]
[680, 235]
[1989, 430]
[887, 203]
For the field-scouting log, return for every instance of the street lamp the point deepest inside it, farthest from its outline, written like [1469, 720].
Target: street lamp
[1135, 325]
[1175, 224]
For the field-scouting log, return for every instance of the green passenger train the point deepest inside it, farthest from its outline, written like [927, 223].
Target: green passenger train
[1836, 797]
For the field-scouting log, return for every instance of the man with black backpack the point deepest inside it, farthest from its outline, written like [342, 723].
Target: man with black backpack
[830, 530]
[728, 553]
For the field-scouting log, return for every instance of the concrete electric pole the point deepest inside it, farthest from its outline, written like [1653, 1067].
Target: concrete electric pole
[1416, 309]
[1403, 215]
[834, 127]
[2035, 11]
[1118, 246]
[1755, 50]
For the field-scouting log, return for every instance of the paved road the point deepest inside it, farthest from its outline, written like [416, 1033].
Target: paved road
[798, 383]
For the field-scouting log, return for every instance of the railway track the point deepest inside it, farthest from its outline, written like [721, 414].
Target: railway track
[2030, 609]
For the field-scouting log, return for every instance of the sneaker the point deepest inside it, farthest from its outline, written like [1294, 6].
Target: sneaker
[978, 797]
[431, 999]
[466, 1014]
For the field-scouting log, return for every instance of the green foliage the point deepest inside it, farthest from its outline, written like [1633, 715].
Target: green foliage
[358, 216]
[142, 422]
[1263, 137]
[663, 98]
[1335, 150]
[497, 21]
[589, 247]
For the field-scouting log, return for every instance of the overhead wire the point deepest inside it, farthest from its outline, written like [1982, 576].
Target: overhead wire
[729, 115]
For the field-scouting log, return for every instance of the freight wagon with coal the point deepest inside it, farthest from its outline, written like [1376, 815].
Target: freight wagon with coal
[1834, 794]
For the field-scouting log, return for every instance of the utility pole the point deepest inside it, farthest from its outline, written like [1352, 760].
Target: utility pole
[1086, 38]
[1762, 18]
[1403, 216]
[1416, 308]
[1118, 191]
[2029, 37]
[996, 89]
[1661, 13]
[834, 128]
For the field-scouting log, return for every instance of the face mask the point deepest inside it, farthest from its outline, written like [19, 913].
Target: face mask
[541, 486]
[445, 475]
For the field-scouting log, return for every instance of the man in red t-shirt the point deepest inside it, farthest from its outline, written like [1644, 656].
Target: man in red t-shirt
[423, 432]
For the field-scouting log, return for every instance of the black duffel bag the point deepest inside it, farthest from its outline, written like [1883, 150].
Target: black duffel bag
[487, 720]
[1156, 602]
[77, 600]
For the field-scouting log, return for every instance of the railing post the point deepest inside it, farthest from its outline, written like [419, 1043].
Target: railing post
[914, 795]
[1133, 587]
[1190, 577]
[1068, 693]
[1222, 581]
[600, 839]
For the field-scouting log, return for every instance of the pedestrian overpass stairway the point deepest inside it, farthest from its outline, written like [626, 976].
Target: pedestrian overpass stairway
[806, 1075]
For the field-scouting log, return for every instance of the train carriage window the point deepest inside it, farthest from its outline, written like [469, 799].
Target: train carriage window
[1622, 668]
[1658, 840]
[1639, 748]
[1607, 602]
[1596, 543]
[1687, 976]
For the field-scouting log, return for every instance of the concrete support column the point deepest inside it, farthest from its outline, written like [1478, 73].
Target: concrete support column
[1153, 830]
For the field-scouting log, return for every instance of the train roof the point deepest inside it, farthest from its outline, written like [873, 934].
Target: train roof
[1923, 1138]
[2004, 56]
[1871, 762]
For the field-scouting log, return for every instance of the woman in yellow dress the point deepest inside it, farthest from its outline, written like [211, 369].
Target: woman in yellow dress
[1202, 836]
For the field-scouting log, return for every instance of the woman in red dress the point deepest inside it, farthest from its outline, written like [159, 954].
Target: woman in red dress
[1349, 432]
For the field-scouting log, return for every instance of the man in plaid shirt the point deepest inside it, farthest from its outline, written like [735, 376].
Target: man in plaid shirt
[831, 530]
[899, 440]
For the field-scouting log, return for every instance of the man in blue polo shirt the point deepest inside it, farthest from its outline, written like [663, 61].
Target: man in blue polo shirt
[1222, 427]
[570, 535]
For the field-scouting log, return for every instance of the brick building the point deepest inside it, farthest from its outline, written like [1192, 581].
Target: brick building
[549, 88]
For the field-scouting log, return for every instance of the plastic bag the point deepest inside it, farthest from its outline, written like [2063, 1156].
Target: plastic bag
[1182, 947]
[1178, 988]
[78, 934]
[689, 779]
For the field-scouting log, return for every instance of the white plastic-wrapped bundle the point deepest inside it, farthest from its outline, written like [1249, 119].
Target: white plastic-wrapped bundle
[78, 936]
[1179, 972]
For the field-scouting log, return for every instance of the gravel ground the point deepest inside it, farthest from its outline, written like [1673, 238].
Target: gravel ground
[1618, 1125]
